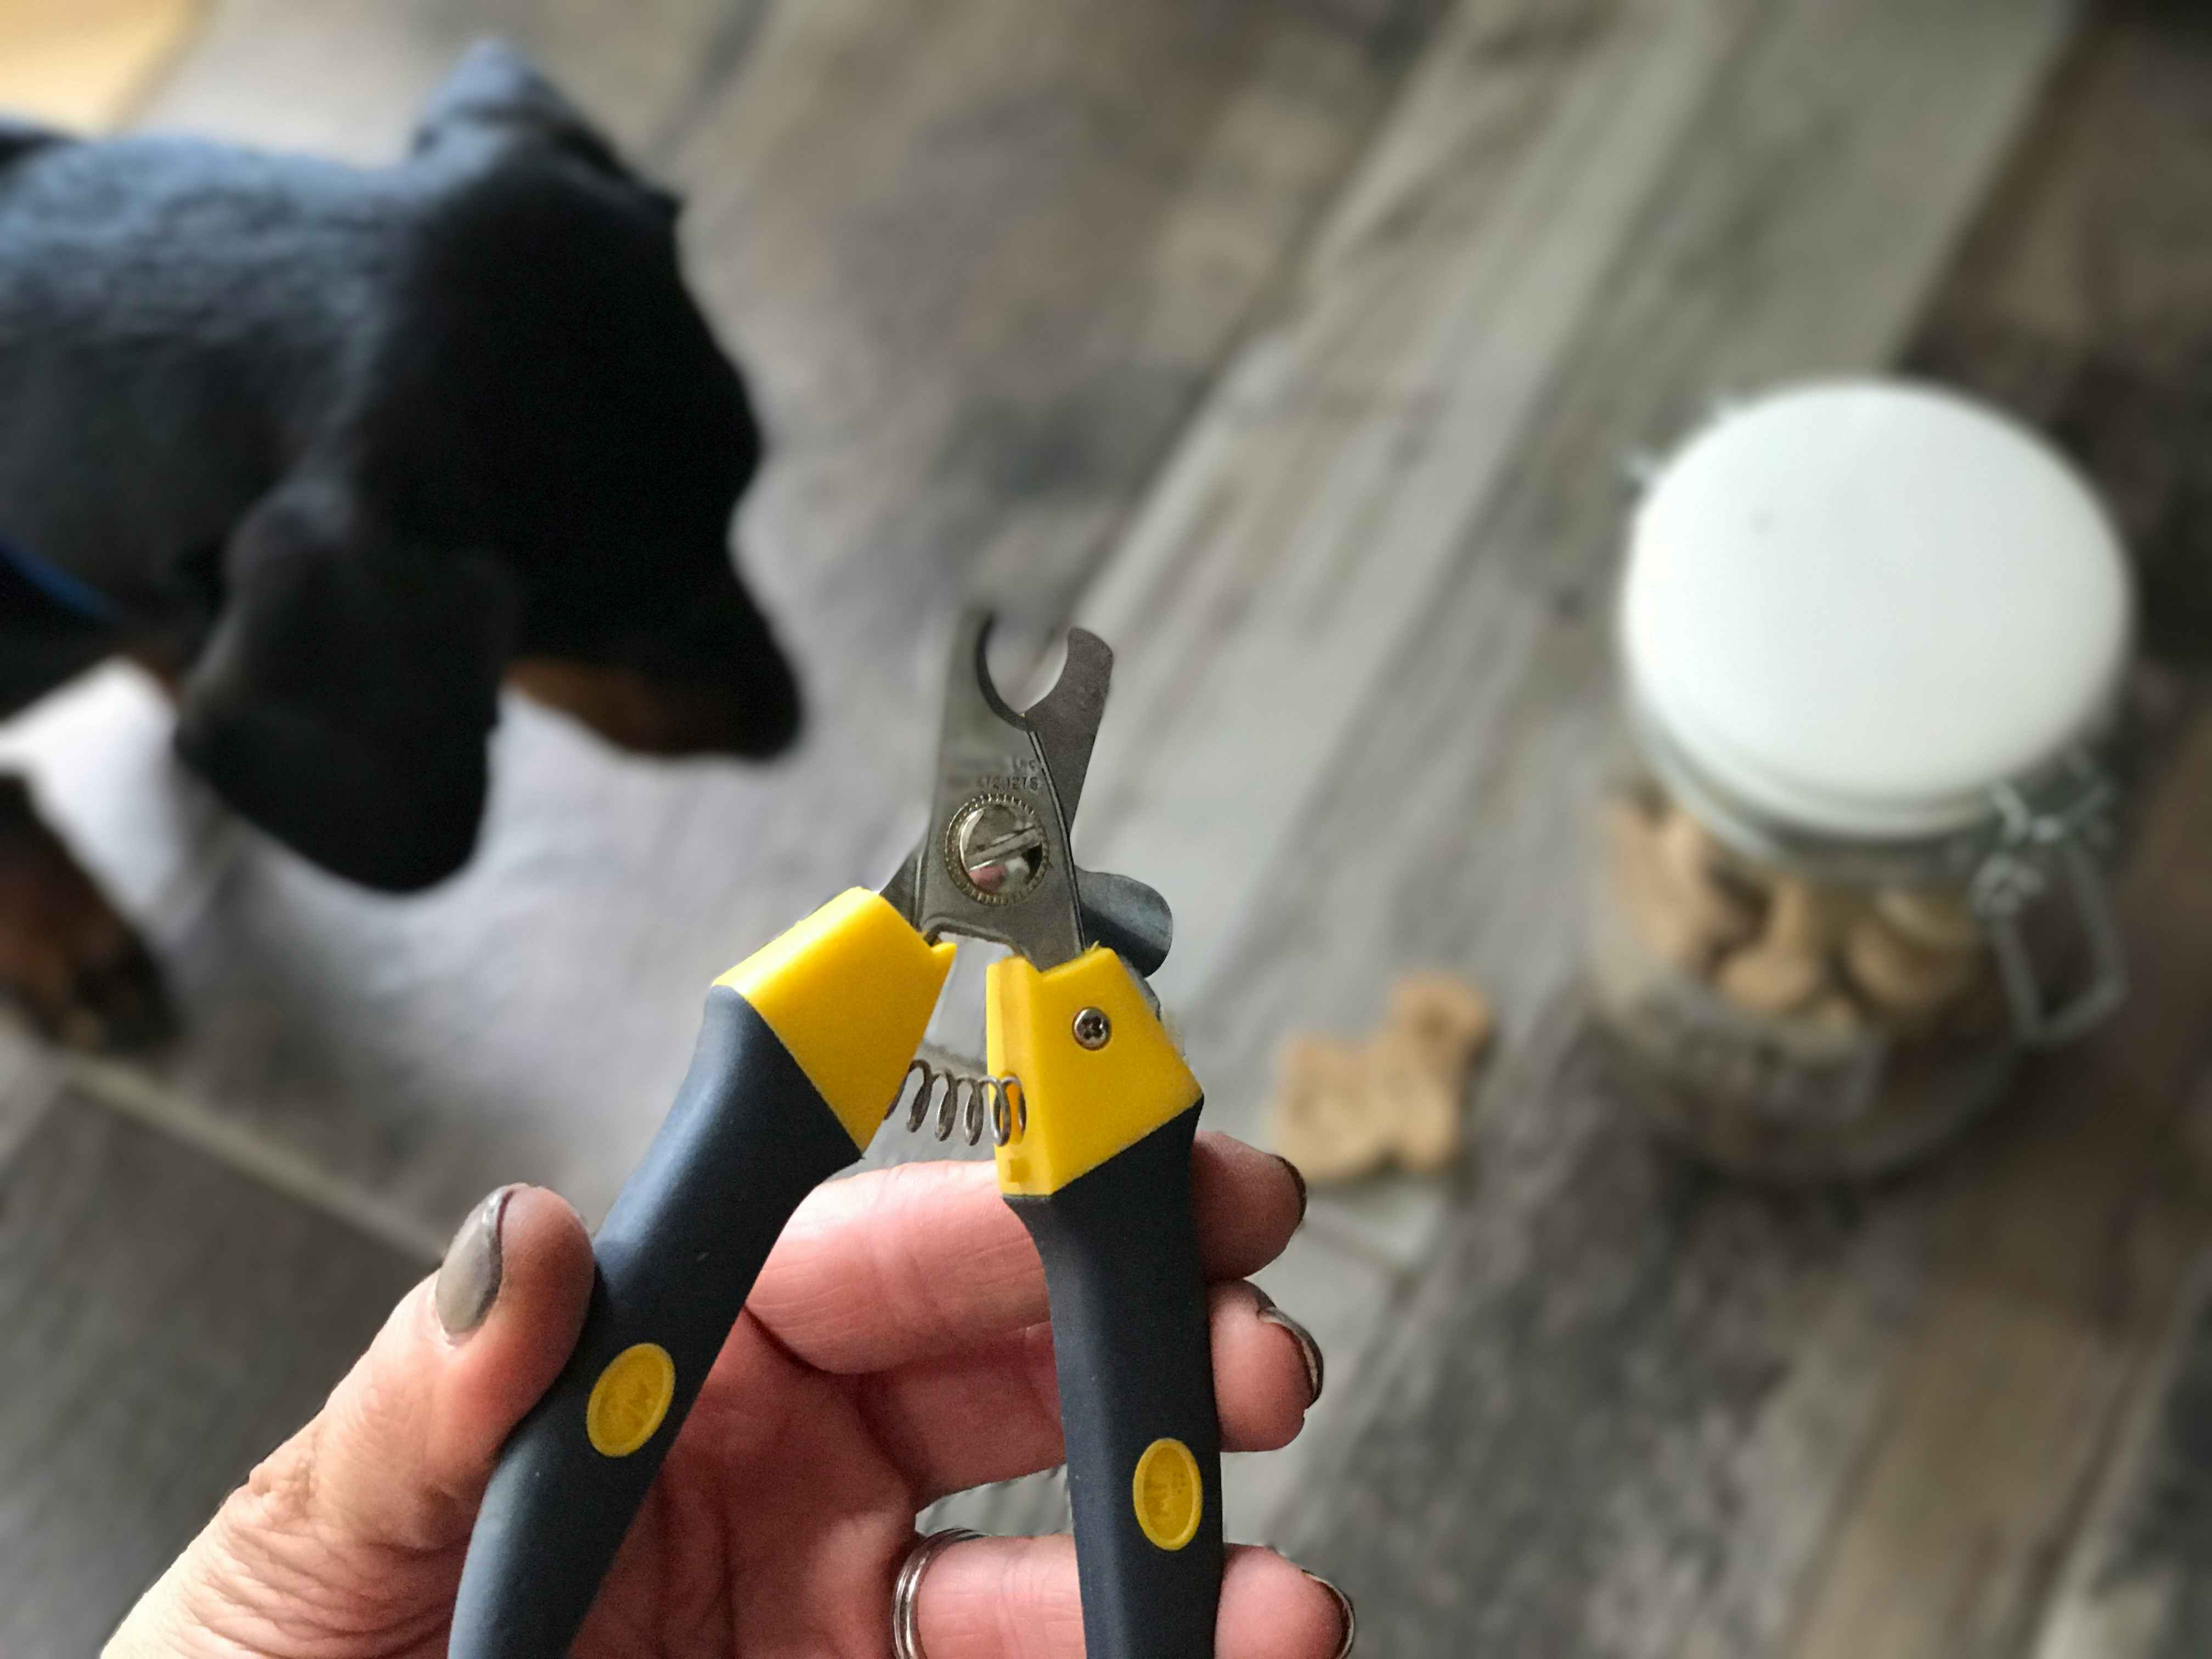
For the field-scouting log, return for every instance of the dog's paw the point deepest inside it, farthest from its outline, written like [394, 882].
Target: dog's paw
[67, 959]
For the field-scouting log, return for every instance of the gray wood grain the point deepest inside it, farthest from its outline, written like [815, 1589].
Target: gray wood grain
[2084, 300]
[2081, 299]
[1896, 1481]
[28, 1079]
[1616, 1416]
[1446, 824]
[2062, 1255]
[1781, 244]
[1626, 1409]
[1449, 825]
[1325, 494]
[1324, 484]
[2136, 1586]
[164, 1322]
[1636, 1410]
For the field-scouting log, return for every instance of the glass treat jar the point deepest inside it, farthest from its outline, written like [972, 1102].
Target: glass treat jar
[1871, 637]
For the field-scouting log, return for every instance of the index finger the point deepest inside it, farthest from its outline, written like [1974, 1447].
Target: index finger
[902, 1264]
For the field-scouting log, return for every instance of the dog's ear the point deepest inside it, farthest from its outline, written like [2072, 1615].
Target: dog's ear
[344, 701]
[494, 88]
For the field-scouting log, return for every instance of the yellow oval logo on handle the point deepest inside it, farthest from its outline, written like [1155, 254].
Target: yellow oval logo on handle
[629, 1400]
[1169, 1494]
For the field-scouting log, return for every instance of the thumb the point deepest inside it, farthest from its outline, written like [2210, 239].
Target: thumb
[357, 1523]
[406, 1441]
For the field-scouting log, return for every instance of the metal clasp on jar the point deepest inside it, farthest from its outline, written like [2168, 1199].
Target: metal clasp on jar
[2036, 850]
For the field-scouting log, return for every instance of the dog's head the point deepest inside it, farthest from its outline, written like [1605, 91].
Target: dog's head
[536, 477]
[582, 396]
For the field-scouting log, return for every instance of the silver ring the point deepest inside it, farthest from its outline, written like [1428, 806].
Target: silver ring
[906, 1640]
[1349, 1613]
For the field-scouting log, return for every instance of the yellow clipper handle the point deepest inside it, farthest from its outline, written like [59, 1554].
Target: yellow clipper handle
[800, 1049]
[1099, 1169]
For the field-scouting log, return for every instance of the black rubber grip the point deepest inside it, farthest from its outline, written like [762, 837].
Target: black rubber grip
[747, 1139]
[1130, 1337]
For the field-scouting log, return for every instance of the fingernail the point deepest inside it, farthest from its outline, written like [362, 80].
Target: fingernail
[1309, 1350]
[468, 1278]
[1344, 1607]
[1299, 1177]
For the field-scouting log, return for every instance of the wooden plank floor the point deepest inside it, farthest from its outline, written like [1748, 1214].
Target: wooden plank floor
[1478, 733]
[2136, 1585]
[164, 1322]
[1635, 1410]
[2084, 300]
[1300, 347]
[1631, 1411]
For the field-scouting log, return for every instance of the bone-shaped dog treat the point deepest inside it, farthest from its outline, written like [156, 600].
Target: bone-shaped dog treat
[1932, 919]
[1780, 946]
[1446, 1020]
[1343, 1111]
[1786, 968]
[1903, 978]
[1417, 1106]
[1323, 1121]
[1674, 899]
[1708, 871]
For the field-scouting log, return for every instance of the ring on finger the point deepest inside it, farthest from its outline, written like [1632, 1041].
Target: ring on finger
[906, 1590]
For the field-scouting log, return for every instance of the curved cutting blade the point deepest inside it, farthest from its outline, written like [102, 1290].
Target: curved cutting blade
[995, 862]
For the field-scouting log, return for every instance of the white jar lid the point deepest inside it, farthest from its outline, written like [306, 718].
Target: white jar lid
[1858, 606]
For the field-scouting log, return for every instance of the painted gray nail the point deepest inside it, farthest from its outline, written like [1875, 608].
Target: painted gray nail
[1309, 1350]
[1298, 1175]
[468, 1278]
[1344, 1607]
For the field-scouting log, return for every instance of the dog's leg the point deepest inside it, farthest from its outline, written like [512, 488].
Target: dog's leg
[66, 958]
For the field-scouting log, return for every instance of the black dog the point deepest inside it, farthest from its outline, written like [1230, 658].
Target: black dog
[335, 450]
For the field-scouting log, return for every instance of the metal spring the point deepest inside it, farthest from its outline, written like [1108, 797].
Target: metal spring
[964, 1098]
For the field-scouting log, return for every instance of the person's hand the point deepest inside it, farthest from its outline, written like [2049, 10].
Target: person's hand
[895, 1350]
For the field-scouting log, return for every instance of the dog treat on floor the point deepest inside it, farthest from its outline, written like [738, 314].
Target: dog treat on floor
[1323, 1122]
[1418, 1104]
[1342, 1110]
[1446, 1019]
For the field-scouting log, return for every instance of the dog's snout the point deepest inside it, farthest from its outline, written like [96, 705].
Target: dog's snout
[713, 680]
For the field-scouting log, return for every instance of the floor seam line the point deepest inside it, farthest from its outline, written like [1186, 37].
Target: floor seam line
[178, 1118]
